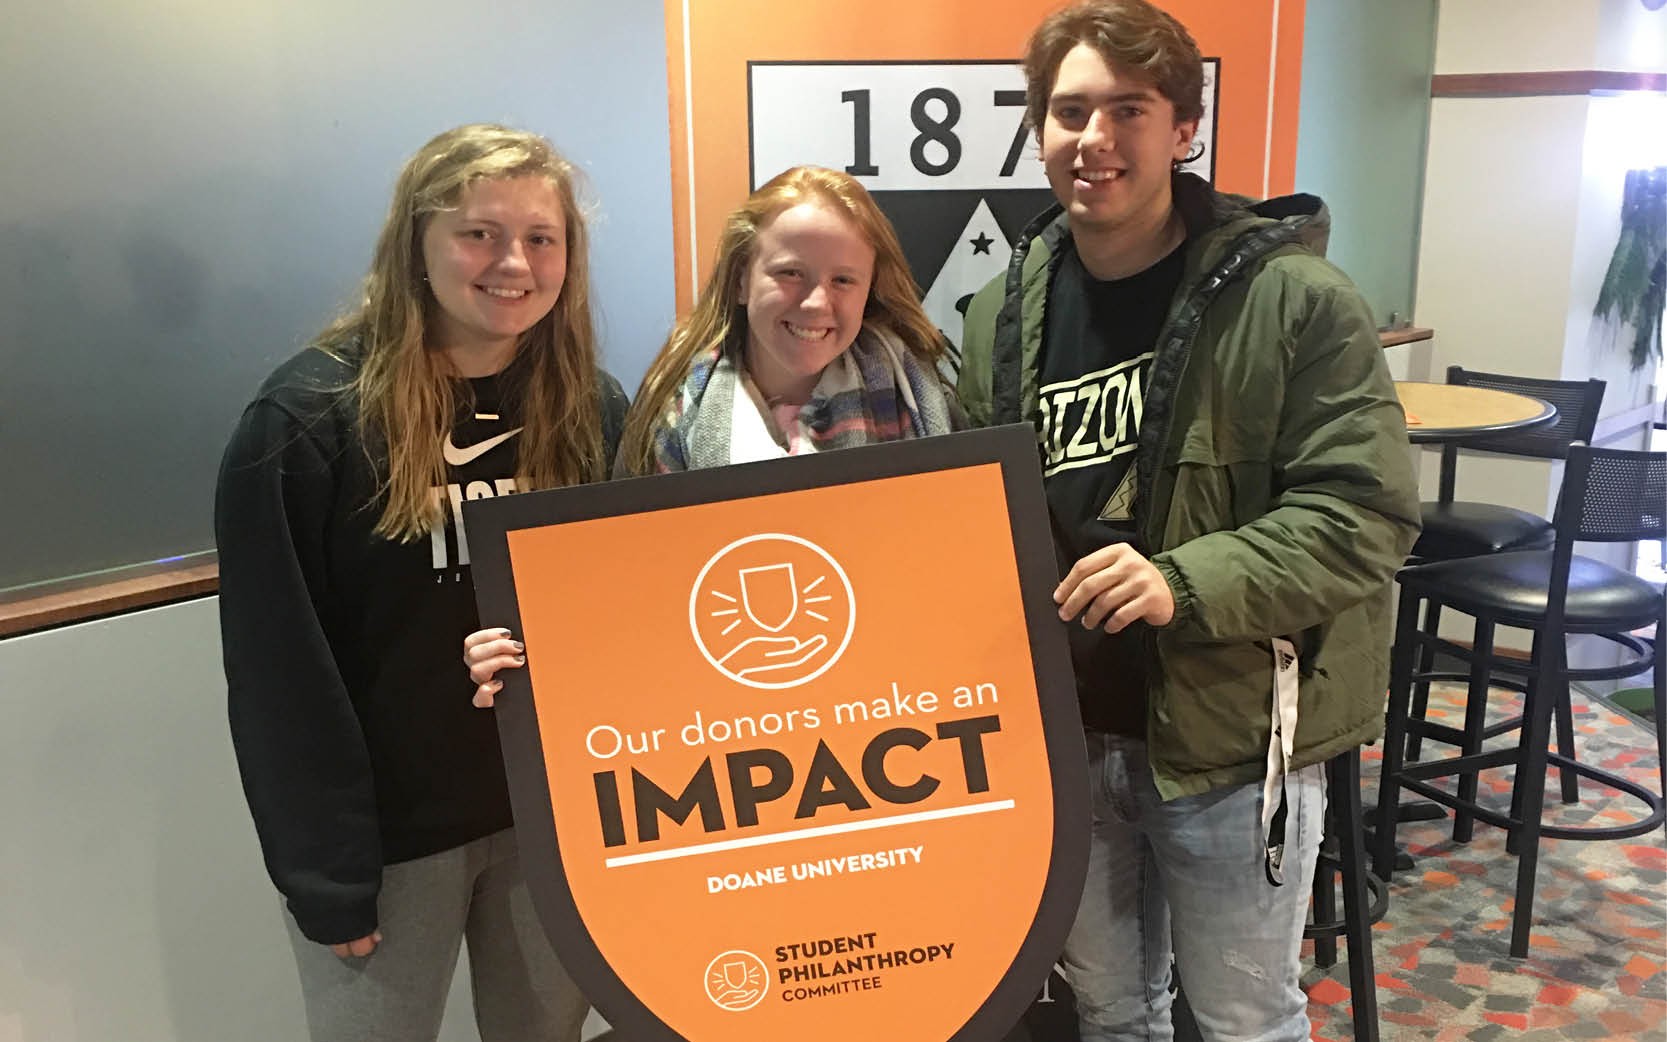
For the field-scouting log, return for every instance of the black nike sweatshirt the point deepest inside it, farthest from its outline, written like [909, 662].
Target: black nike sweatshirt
[348, 697]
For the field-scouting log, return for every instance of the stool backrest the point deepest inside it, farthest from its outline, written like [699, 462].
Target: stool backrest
[1577, 401]
[1612, 496]
[1608, 496]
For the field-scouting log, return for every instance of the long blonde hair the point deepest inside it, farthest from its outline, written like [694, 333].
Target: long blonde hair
[893, 298]
[407, 394]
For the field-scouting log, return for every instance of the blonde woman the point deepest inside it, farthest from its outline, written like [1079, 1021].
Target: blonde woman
[469, 370]
[808, 337]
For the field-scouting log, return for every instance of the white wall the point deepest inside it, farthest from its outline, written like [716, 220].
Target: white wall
[1496, 255]
[1517, 35]
[1522, 195]
[133, 904]
[1630, 38]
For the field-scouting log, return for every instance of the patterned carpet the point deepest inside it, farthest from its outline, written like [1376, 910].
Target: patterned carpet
[1597, 967]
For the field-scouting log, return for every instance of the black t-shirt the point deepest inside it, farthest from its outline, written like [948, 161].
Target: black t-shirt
[1097, 345]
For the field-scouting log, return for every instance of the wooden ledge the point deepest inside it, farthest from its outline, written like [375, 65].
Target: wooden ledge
[1544, 84]
[1404, 335]
[61, 604]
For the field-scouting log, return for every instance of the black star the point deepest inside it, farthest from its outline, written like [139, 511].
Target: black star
[981, 244]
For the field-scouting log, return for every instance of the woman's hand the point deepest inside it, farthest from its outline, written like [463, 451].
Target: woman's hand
[485, 652]
[358, 949]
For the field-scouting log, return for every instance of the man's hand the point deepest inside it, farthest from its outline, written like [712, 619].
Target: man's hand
[1115, 586]
[357, 949]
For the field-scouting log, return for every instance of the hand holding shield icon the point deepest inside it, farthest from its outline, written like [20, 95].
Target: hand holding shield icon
[770, 598]
[771, 611]
[736, 980]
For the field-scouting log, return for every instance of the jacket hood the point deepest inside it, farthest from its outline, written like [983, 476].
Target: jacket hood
[1305, 214]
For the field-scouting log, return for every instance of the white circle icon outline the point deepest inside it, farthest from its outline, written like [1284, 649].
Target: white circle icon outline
[716, 970]
[844, 640]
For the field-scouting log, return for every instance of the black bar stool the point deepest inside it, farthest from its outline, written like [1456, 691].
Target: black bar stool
[1607, 496]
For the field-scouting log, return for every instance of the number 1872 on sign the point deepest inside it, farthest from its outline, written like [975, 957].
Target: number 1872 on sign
[896, 127]
[908, 127]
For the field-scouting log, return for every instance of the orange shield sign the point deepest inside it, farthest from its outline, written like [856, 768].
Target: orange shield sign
[796, 754]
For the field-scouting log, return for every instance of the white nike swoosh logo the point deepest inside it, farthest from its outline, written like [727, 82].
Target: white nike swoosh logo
[460, 457]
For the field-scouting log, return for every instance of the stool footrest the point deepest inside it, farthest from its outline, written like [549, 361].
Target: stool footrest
[1450, 735]
[1499, 683]
[1426, 769]
[1376, 889]
[1414, 777]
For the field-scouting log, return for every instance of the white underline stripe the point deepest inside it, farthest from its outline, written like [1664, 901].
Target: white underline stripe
[810, 833]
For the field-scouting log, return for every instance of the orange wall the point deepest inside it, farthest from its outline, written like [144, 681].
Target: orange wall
[709, 43]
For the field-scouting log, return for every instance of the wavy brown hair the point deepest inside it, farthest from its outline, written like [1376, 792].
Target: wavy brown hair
[408, 393]
[1129, 34]
[719, 317]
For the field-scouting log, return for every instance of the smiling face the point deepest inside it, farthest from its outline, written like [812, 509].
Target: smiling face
[1108, 144]
[805, 289]
[495, 264]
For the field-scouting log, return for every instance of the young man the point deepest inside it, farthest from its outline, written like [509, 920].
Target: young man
[1227, 468]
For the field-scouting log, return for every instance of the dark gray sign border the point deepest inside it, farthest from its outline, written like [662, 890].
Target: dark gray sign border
[489, 521]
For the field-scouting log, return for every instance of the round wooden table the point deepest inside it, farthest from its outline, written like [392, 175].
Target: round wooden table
[1456, 413]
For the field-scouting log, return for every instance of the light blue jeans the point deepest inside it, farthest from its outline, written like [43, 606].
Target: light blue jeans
[1186, 879]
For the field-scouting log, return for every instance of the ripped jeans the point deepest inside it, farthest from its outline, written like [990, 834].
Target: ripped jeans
[1186, 878]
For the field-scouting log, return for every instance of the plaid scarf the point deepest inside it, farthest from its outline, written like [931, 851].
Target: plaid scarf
[876, 391]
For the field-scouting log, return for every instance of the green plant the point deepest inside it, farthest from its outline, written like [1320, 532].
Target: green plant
[1634, 291]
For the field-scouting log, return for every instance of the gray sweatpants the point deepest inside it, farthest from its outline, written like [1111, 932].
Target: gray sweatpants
[426, 909]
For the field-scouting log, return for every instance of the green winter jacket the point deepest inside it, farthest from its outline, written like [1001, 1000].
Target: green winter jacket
[1274, 479]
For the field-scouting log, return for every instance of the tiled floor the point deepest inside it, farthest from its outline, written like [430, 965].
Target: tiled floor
[1597, 967]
